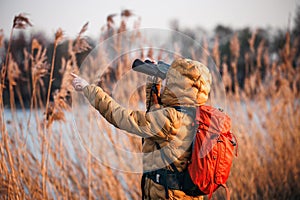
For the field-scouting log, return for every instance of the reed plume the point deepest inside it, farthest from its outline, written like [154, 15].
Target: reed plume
[126, 13]
[21, 21]
[81, 44]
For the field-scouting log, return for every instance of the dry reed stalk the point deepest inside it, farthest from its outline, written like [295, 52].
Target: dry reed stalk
[266, 59]
[27, 74]
[20, 22]
[4, 67]
[235, 53]
[216, 53]
[19, 166]
[259, 53]
[19, 94]
[13, 73]
[227, 81]
[39, 68]
[55, 113]
[88, 163]
[2, 76]
[1, 38]
[58, 38]
[122, 27]
[109, 29]
[58, 156]
[13, 181]
[136, 26]
[204, 51]
[251, 41]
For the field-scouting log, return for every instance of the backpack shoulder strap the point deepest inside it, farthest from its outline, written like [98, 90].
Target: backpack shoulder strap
[171, 164]
[227, 191]
[187, 110]
[166, 158]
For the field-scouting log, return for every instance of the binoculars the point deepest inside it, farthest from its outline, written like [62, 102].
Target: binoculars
[147, 67]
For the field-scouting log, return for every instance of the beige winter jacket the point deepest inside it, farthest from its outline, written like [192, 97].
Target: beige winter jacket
[187, 84]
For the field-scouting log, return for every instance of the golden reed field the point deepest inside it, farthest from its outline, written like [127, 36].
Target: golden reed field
[41, 156]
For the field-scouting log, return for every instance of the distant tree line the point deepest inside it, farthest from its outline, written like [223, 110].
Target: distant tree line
[234, 46]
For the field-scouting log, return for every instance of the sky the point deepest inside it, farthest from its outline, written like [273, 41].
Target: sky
[71, 15]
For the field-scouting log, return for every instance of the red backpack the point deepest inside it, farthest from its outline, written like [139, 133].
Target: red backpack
[212, 153]
[211, 159]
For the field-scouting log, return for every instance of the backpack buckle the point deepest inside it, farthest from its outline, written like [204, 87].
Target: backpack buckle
[157, 178]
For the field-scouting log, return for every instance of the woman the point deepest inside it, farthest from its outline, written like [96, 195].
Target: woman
[167, 132]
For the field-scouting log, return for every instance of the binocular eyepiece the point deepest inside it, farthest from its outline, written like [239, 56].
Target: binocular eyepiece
[147, 67]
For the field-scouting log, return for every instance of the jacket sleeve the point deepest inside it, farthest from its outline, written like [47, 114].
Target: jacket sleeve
[156, 123]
